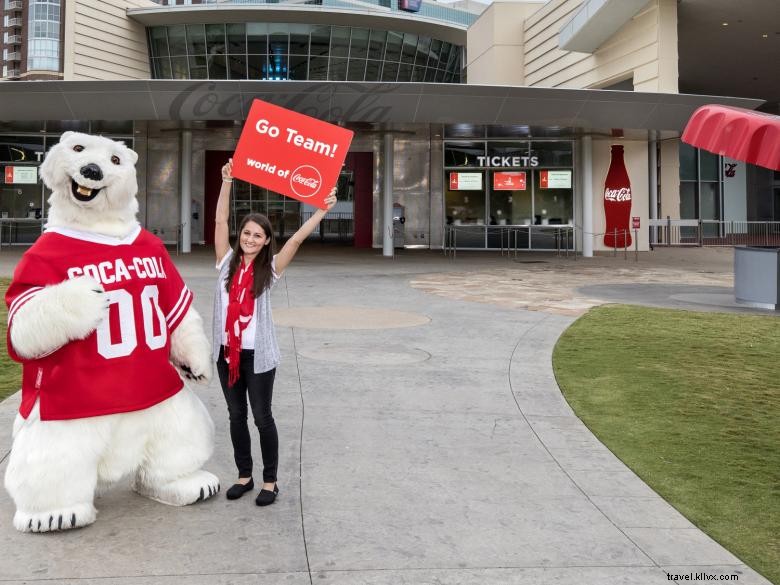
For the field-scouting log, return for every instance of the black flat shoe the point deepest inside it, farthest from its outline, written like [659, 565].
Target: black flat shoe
[266, 497]
[239, 489]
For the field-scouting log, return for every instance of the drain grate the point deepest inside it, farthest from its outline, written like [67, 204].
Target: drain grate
[531, 261]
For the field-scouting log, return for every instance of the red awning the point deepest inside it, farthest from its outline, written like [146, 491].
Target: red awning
[746, 135]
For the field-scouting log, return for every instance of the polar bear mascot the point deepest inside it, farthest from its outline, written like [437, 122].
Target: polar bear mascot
[96, 314]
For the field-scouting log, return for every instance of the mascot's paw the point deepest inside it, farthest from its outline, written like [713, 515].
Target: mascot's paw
[86, 304]
[197, 372]
[62, 519]
[193, 488]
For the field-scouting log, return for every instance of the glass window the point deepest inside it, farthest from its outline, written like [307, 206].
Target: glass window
[552, 206]
[553, 154]
[237, 66]
[466, 208]
[177, 40]
[418, 74]
[198, 69]
[64, 126]
[159, 41]
[278, 39]
[112, 127]
[393, 50]
[356, 70]
[20, 149]
[299, 39]
[433, 57]
[161, 68]
[405, 72]
[687, 162]
[299, 66]
[215, 41]
[236, 38]
[257, 65]
[463, 154]
[318, 68]
[339, 41]
[277, 67]
[708, 165]
[320, 41]
[390, 71]
[217, 66]
[376, 46]
[373, 70]
[409, 51]
[511, 207]
[510, 149]
[196, 39]
[257, 38]
[337, 70]
[423, 48]
[358, 48]
[688, 206]
[179, 69]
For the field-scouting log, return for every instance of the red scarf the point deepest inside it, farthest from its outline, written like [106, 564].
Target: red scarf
[241, 307]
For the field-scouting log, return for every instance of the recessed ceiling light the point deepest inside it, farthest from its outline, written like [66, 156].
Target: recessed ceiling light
[765, 36]
[725, 24]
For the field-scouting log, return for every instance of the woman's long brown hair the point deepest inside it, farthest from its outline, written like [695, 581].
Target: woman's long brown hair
[262, 262]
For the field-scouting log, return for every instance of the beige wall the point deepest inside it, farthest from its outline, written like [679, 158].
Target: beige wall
[102, 43]
[645, 49]
[494, 44]
[635, 156]
[517, 43]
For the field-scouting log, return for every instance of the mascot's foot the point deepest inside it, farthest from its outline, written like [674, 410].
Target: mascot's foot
[62, 519]
[198, 486]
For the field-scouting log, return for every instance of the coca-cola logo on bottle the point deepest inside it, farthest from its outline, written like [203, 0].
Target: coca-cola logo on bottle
[305, 181]
[622, 194]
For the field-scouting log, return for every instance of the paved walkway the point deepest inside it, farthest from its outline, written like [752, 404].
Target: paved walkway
[423, 439]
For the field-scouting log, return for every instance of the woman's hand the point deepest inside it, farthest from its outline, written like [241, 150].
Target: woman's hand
[331, 200]
[227, 171]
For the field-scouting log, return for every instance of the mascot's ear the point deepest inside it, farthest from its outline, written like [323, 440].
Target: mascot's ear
[66, 135]
[130, 152]
[49, 163]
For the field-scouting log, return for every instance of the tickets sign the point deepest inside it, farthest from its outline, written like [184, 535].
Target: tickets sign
[290, 153]
[509, 181]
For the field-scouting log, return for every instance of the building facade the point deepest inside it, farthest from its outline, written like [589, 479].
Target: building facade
[474, 123]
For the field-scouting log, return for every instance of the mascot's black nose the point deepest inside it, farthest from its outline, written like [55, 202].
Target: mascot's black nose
[91, 171]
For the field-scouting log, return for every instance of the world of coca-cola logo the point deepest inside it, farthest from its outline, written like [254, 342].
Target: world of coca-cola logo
[622, 194]
[305, 181]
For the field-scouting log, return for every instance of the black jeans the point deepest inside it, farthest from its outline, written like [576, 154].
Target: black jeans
[260, 389]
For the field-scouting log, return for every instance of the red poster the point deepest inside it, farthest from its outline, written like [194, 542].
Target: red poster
[509, 181]
[453, 181]
[543, 180]
[9, 175]
[289, 153]
[635, 222]
[617, 202]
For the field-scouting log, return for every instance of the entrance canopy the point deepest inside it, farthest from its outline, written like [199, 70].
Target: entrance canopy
[752, 137]
[340, 101]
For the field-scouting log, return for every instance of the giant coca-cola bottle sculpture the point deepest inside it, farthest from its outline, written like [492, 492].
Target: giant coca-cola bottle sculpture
[617, 201]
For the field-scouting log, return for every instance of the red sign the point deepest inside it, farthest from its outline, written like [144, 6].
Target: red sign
[635, 222]
[509, 181]
[289, 153]
[9, 175]
[617, 201]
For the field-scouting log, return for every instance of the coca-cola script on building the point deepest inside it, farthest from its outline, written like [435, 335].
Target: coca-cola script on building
[290, 153]
[617, 202]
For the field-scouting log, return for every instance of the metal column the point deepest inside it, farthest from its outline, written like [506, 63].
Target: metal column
[387, 219]
[587, 197]
[186, 191]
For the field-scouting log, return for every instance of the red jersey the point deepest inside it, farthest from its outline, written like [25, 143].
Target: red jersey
[124, 364]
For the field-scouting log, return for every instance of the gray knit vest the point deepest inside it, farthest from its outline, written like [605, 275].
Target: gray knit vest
[266, 349]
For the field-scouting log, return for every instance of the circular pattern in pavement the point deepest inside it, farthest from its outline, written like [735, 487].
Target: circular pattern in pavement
[346, 318]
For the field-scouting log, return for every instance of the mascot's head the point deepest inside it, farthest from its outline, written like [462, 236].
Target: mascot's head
[93, 184]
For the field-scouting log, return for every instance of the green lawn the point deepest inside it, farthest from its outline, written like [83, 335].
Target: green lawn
[691, 402]
[10, 371]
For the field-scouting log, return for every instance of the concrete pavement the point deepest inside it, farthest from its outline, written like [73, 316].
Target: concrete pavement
[423, 439]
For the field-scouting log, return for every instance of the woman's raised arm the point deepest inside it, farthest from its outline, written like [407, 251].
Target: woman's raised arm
[221, 229]
[290, 248]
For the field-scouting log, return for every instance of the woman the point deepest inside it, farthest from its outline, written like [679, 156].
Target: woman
[244, 338]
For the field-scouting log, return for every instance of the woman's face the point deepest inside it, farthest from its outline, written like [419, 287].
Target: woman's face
[252, 239]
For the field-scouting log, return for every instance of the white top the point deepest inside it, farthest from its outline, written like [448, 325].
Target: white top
[248, 335]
